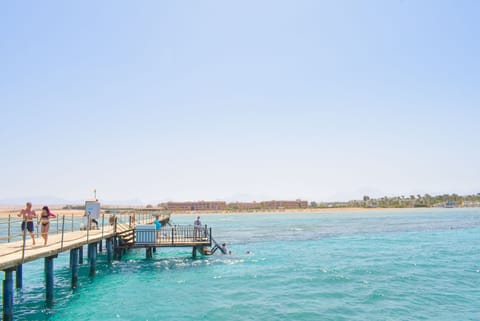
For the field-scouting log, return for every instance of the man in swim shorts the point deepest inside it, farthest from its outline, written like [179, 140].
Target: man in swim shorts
[197, 225]
[28, 215]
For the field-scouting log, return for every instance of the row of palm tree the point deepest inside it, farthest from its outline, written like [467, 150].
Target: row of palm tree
[402, 201]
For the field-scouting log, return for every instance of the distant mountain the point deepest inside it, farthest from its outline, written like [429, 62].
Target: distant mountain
[38, 200]
[50, 200]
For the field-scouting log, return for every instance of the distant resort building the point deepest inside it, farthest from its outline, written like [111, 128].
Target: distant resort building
[268, 205]
[195, 206]
[222, 206]
[471, 204]
[450, 204]
[245, 206]
[285, 204]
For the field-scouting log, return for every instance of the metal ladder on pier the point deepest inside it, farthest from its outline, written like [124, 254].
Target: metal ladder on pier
[217, 247]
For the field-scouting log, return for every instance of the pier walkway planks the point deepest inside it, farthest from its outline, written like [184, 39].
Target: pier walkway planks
[11, 253]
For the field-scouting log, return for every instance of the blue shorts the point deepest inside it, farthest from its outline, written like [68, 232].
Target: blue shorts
[29, 226]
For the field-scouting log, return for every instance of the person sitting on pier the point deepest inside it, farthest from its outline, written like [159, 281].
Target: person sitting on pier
[27, 215]
[45, 221]
[91, 220]
[95, 222]
[197, 225]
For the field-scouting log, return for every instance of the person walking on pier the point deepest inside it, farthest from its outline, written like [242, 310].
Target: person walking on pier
[197, 226]
[45, 221]
[27, 215]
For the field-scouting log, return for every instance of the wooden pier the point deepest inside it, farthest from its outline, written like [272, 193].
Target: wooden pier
[125, 232]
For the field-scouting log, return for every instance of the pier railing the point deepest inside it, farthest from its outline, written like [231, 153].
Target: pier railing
[176, 235]
[61, 225]
[10, 227]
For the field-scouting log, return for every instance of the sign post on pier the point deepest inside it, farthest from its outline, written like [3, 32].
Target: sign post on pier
[92, 213]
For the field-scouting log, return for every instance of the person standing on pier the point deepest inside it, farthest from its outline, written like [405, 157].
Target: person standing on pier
[45, 221]
[158, 226]
[197, 226]
[28, 215]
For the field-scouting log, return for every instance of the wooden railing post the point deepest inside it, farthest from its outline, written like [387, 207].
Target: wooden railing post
[88, 227]
[63, 232]
[103, 223]
[36, 227]
[9, 220]
[24, 239]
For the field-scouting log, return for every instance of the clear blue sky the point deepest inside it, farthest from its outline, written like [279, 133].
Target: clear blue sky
[180, 100]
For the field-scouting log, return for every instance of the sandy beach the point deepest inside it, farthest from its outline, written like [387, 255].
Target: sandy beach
[5, 211]
[13, 211]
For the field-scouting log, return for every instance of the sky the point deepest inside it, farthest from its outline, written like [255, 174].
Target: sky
[149, 101]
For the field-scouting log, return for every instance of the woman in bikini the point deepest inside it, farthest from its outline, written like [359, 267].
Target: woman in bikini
[45, 221]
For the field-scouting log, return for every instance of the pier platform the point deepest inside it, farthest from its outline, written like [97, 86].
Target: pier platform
[119, 232]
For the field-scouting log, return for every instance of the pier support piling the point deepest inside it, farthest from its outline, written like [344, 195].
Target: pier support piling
[80, 255]
[49, 278]
[194, 252]
[75, 267]
[109, 245]
[154, 250]
[71, 257]
[92, 251]
[19, 277]
[149, 252]
[8, 296]
[100, 245]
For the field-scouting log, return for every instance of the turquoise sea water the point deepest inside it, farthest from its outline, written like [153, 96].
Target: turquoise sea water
[384, 265]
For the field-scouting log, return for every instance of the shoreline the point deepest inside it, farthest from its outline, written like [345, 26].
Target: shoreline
[289, 211]
[317, 210]
[13, 211]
